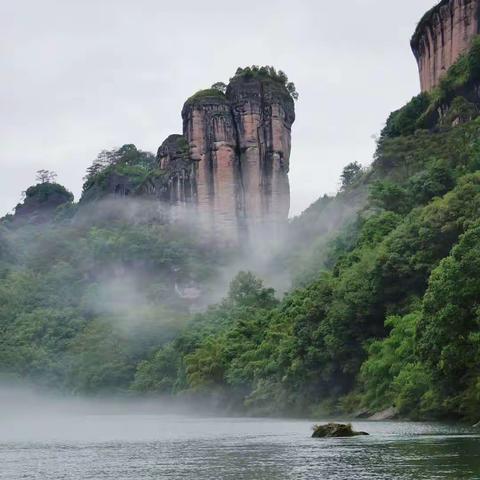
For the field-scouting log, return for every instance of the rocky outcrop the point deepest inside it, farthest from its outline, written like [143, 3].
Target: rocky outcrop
[335, 430]
[236, 174]
[263, 112]
[443, 34]
[178, 187]
[388, 414]
[41, 201]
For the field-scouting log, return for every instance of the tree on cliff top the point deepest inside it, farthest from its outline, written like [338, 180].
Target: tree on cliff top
[127, 155]
[268, 72]
[46, 176]
[220, 86]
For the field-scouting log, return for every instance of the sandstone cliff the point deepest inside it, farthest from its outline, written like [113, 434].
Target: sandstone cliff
[236, 173]
[443, 34]
[263, 113]
[228, 169]
[210, 132]
[173, 157]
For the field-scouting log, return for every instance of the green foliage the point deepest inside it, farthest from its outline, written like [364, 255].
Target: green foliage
[350, 174]
[444, 105]
[42, 192]
[247, 290]
[385, 309]
[182, 144]
[393, 375]
[83, 301]
[46, 176]
[214, 93]
[268, 73]
[459, 111]
[220, 86]
[405, 120]
[196, 362]
[350, 329]
[448, 332]
[389, 196]
[127, 166]
[462, 73]
[435, 181]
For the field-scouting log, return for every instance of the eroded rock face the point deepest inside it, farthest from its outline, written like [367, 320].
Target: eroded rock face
[442, 36]
[263, 113]
[210, 133]
[178, 187]
[239, 152]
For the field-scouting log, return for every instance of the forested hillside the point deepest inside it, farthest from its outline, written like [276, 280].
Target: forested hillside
[391, 318]
[384, 308]
[89, 290]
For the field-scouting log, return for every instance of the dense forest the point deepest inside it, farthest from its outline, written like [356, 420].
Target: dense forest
[383, 308]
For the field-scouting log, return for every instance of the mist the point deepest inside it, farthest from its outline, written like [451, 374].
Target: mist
[32, 414]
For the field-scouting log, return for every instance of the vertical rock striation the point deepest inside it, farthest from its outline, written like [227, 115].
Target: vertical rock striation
[443, 34]
[263, 112]
[210, 133]
[236, 170]
[173, 157]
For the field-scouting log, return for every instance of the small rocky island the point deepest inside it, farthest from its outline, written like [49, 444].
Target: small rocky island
[335, 430]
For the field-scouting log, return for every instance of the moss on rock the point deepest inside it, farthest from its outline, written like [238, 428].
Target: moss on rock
[335, 430]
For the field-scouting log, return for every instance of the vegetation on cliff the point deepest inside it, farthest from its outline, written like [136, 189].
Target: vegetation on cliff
[209, 94]
[383, 311]
[123, 171]
[267, 73]
[454, 100]
[85, 297]
[380, 323]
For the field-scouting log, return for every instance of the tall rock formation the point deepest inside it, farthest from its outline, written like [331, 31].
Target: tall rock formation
[236, 175]
[210, 132]
[443, 34]
[263, 114]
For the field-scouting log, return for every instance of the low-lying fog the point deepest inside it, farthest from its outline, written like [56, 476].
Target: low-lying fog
[27, 415]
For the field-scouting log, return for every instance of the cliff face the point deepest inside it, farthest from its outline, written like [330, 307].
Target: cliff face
[263, 113]
[444, 33]
[210, 133]
[238, 153]
[173, 157]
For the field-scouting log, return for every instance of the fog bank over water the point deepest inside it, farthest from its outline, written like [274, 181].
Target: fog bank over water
[47, 437]
[30, 414]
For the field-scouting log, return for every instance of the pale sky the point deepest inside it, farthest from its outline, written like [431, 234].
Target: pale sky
[81, 76]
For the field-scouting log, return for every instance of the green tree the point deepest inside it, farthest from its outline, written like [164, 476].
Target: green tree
[350, 174]
[448, 332]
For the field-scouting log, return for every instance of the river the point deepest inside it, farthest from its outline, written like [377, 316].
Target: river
[146, 446]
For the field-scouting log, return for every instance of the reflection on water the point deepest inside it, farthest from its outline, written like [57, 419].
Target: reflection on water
[134, 447]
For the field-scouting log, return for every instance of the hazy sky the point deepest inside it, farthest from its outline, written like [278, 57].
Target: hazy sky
[81, 76]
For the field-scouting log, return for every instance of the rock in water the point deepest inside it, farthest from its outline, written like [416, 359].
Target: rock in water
[335, 430]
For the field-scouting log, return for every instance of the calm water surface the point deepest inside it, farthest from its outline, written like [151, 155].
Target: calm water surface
[136, 447]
